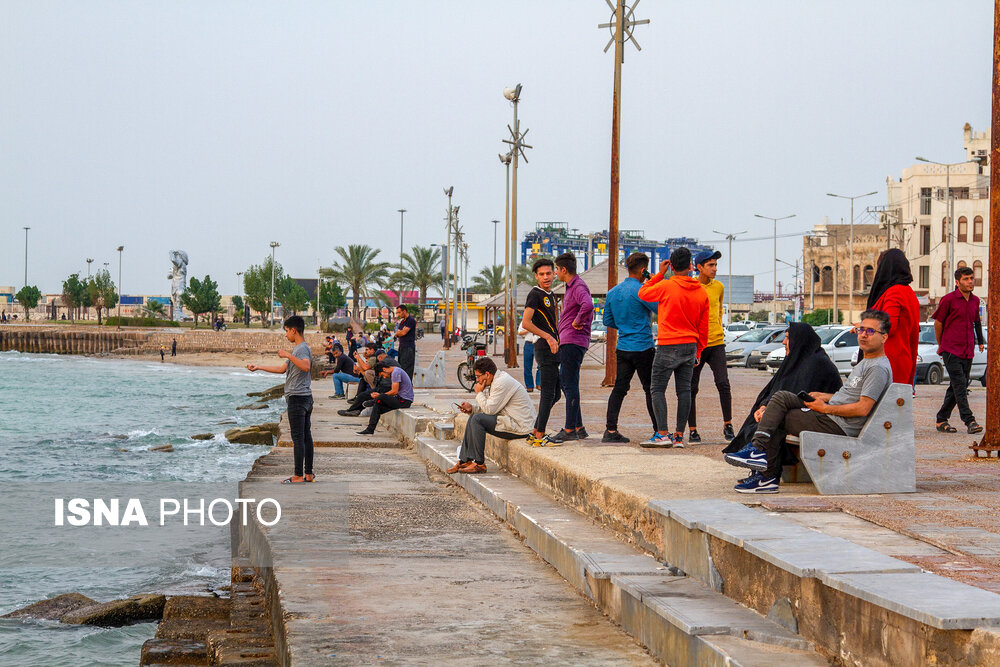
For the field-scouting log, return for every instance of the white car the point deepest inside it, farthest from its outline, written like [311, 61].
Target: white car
[930, 367]
[736, 329]
[839, 342]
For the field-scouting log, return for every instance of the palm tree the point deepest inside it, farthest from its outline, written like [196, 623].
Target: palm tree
[489, 281]
[358, 269]
[421, 270]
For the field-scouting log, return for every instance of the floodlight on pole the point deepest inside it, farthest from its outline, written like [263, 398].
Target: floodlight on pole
[850, 296]
[517, 146]
[774, 299]
[270, 322]
[729, 287]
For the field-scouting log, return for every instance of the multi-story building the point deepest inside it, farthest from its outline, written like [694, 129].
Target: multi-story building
[827, 256]
[917, 216]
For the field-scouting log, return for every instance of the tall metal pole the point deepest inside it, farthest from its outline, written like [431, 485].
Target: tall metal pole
[399, 296]
[611, 338]
[447, 260]
[774, 299]
[239, 280]
[729, 288]
[457, 273]
[26, 256]
[270, 322]
[951, 224]
[495, 223]
[510, 330]
[120, 249]
[850, 297]
[510, 279]
[465, 286]
[991, 437]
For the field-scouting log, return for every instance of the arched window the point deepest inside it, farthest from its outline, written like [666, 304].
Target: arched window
[963, 229]
[977, 272]
[869, 275]
[961, 263]
[944, 274]
[944, 230]
[977, 229]
[827, 280]
[856, 278]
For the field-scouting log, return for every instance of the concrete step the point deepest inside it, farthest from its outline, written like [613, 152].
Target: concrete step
[680, 619]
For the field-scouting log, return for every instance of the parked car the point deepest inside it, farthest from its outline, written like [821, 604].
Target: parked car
[738, 351]
[758, 357]
[598, 332]
[736, 329]
[839, 342]
[930, 367]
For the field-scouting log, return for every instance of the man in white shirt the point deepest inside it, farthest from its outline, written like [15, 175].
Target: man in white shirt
[503, 408]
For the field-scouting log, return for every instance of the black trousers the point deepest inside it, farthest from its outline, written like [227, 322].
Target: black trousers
[383, 404]
[959, 370]
[300, 423]
[407, 358]
[714, 356]
[570, 360]
[548, 370]
[627, 365]
[784, 409]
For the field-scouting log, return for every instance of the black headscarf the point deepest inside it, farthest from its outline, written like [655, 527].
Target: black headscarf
[893, 269]
[807, 367]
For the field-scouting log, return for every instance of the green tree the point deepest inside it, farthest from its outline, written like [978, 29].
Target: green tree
[489, 281]
[291, 295]
[421, 270]
[154, 309]
[331, 299]
[820, 317]
[257, 286]
[758, 316]
[238, 307]
[201, 297]
[74, 294]
[358, 269]
[101, 292]
[28, 296]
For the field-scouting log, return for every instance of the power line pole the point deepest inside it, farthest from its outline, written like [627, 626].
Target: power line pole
[729, 287]
[621, 26]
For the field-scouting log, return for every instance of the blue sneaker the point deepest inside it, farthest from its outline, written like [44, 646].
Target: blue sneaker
[757, 483]
[657, 441]
[748, 457]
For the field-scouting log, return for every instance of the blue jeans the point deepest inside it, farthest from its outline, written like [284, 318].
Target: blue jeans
[340, 378]
[570, 359]
[676, 360]
[531, 379]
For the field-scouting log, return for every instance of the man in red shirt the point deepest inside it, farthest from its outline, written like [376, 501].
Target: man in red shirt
[956, 321]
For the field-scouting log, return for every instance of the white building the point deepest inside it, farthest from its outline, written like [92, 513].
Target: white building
[917, 214]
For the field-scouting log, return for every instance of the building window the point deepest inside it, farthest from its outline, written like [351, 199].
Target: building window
[856, 278]
[925, 239]
[869, 275]
[827, 282]
[944, 230]
[961, 264]
[963, 229]
[944, 274]
[925, 201]
[977, 229]
[977, 272]
[925, 277]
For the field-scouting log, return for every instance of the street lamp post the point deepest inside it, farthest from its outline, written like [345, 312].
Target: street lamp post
[774, 299]
[90, 261]
[239, 280]
[447, 259]
[270, 322]
[850, 297]
[729, 288]
[495, 223]
[509, 277]
[517, 147]
[399, 296]
[26, 256]
[951, 210]
[120, 294]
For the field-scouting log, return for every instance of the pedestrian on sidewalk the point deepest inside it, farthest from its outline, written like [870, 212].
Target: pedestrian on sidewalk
[163, 352]
[958, 329]
[173, 348]
[681, 335]
[714, 354]
[342, 372]
[574, 339]
[631, 316]
[406, 334]
[842, 413]
[531, 373]
[503, 408]
[399, 396]
[540, 319]
[891, 293]
[298, 396]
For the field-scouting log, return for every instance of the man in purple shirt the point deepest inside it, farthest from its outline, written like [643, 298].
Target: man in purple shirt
[574, 339]
[956, 320]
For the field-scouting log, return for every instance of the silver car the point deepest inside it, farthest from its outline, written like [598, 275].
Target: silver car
[738, 352]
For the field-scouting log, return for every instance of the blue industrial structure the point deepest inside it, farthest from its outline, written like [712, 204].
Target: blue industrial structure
[555, 238]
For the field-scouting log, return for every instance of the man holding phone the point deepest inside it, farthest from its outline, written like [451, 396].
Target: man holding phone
[843, 413]
[540, 319]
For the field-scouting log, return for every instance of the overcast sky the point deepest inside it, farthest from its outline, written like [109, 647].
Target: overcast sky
[216, 127]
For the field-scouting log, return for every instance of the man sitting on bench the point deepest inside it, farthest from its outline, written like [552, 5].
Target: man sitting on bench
[843, 413]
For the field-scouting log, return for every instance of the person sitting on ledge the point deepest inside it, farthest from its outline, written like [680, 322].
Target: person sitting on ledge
[842, 413]
[342, 372]
[400, 396]
[503, 408]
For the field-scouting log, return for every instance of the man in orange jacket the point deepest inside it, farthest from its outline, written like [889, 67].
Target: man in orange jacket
[682, 333]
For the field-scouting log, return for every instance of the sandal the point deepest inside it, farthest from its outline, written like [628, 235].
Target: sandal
[292, 480]
[310, 478]
[974, 427]
[945, 427]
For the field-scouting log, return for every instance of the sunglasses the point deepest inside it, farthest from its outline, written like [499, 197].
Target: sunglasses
[868, 331]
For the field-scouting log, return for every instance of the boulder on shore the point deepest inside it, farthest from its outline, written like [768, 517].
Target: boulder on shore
[117, 613]
[162, 448]
[277, 391]
[54, 608]
[202, 436]
[253, 406]
[263, 434]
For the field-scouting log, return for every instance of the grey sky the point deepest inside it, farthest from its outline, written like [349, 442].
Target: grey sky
[216, 127]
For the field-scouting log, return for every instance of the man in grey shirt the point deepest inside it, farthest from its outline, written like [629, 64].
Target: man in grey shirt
[843, 413]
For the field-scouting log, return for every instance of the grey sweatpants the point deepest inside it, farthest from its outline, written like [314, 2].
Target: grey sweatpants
[474, 442]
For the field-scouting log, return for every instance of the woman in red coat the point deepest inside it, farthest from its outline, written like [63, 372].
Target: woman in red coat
[891, 293]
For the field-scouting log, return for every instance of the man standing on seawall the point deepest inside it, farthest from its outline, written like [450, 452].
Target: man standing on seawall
[682, 333]
[574, 339]
[626, 312]
[540, 319]
[406, 334]
[955, 321]
[714, 354]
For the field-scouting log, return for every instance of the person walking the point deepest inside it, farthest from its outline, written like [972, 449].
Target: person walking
[540, 319]
[173, 348]
[891, 293]
[298, 396]
[163, 352]
[681, 335]
[531, 373]
[958, 328]
[406, 335]
[574, 339]
[714, 354]
[503, 408]
[631, 316]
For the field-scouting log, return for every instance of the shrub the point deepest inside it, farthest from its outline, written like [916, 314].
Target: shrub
[140, 322]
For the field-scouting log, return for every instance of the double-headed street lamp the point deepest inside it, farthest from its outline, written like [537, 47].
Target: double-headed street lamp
[274, 244]
[850, 298]
[729, 287]
[774, 300]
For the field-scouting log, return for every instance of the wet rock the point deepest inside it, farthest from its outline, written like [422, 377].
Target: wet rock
[253, 406]
[117, 613]
[226, 421]
[162, 448]
[189, 628]
[53, 608]
[173, 652]
[196, 607]
[277, 391]
[202, 436]
[253, 435]
[119, 437]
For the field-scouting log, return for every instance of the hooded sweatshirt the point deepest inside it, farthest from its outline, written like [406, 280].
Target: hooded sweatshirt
[683, 313]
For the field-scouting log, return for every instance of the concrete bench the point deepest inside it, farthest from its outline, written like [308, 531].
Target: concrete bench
[882, 459]
[433, 375]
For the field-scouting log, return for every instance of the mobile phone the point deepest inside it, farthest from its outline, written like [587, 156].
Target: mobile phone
[457, 406]
[806, 398]
[646, 275]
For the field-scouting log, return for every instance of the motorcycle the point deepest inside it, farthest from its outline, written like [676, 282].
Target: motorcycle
[473, 350]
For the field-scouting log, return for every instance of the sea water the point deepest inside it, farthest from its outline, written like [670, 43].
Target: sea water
[81, 419]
